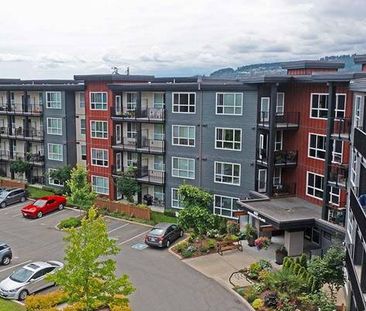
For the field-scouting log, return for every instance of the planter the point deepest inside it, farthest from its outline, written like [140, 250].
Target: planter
[251, 242]
[280, 256]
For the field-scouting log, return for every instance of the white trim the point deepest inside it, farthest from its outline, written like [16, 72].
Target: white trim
[232, 176]
[118, 104]
[105, 151]
[62, 152]
[234, 142]
[91, 129]
[60, 128]
[189, 103]
[119, 163]
[93, 187]
[47, 102]
[235, 106]
[49, 178]
[181, 158]
[106, 102]
[262, 119]
[316, 148]
[232, 203]
[283, 112]
[266, 179]
[311, 105]
[171, 198]
[307, 185]
[118, 141]
[336, 105]
[183, 125]
[281, 142]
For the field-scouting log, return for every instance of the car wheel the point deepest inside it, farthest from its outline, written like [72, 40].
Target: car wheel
[23, 294]
[3, 205]
[61, 207]
[181, 233]
[167, 243]
[6, 260]
[22, 199]
[40, 214]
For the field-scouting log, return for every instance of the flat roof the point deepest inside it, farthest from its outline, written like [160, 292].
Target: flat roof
[360, 59]
[312, 64]
[358, 85]
[113, 77]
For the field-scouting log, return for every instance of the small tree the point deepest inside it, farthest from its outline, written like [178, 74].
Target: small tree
[81, 193]
[62, 174]
[194, 196]
[88, 276]
[196, 218]
[20, 167]
[127, 184]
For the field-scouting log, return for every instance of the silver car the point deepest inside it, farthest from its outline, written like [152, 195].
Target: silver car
[11, 196]
[28, 279]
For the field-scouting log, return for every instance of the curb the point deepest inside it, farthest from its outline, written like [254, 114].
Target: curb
[170, 249]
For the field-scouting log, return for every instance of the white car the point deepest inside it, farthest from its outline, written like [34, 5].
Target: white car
[28, 279]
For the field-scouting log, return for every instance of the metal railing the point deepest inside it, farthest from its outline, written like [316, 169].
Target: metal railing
[342, 128]
[151, 176]
[144, 145]
[146, 114]
[288, 119]
[284, 189]
[37, 180]
[20, 132]
[285, 157]
[338, 174]
[18, 108]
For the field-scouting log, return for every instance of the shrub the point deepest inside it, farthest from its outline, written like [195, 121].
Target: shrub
[231, 237]
[192, 238]
[212, 233]
[263, 275]
[258, 303]
[68, 223]
[250, 294]
[240, 291]
[270, 298]
[232, 227]
[181, 246]
[187, 253]
[211, 243]
[203, 249]
[265, 264]
[142, 206]
[45, 301]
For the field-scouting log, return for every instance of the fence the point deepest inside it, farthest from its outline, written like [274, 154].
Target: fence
[127, 208]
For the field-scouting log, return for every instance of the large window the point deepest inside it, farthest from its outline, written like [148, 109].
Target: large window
[337, 151]
[176, 199]
[53, 100]
[82, 127]
[227, 173]
[53, 181]
[100, 184]
[315, 184]
[54, 126]
[99, 129]
[264, 113]
[132, 159]
[55, 152]
[131, 130]
[118, 162]
[158, 131]
[81, 100]
[183, 135]
[184, 102]
[159, 100]
[316, 146]
[83, 152]
[357, 114]
[280, 107]
[334, 196]
[98, 100]
[118, 134]
[131, 101]
[229, 103]
[183, 168]
[228, 138]
[225, 206]
[340, 107]
[99, 157]
[355, 163]
[159, 163]
[319, 105]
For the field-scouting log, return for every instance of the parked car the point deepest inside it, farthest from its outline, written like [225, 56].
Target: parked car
[28, 279]
[11, 196]
[43, 206]
[163, 235]
[5, 253]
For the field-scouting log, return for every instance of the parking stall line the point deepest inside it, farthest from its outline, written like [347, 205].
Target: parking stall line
[134, 237]
[50, 215]
[19, 264]
[120, 227]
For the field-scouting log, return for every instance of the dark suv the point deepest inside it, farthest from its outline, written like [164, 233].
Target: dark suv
[5, 254]
[11, 196]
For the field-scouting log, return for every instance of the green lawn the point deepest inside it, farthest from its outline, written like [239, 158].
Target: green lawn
[157, 217]
[36, 193]
[6, 305]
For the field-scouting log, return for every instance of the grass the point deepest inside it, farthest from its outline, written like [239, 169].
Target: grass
[157, 217]
[6, 305]
[35, 193]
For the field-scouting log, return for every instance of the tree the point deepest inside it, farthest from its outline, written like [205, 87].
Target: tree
[194, 196]
[127, 184]
[62, 174]
[81, 193]
[20, 167]
[88, 276]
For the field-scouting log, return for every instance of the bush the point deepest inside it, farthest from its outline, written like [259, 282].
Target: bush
[181, 246]
[265, 264]
[270, 299]
[211, 243]
[203, 249]
[250, 294]
[258, 303]
[187, 253]
[231, 237]
[240, 291]
[45, 301]
[232, 227]
[212, 233]
[68, 223]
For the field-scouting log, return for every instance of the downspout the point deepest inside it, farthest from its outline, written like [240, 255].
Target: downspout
[201, 133]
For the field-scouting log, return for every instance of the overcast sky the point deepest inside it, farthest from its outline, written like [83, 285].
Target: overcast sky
[57, 39]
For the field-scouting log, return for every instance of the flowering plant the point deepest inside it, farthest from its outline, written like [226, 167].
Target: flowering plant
[262, 242]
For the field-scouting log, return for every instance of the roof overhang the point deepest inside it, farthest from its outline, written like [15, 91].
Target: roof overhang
[312, 64]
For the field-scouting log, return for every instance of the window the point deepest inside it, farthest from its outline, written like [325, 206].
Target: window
[227, 173]
[229, 103]
[319, 106]
[82, 127]
[118, 107]
[340, 106]
[278, 141]
[99, 129]
[316, 146]
[264, 113]
[158, 131]
[53, 100]
[176, 199]
[54, 126]
[159, 100]
[55, 152]
[357, 112]
[131, 130]
[159, 163]
[183, 135]
[280, 106]
[51, 180]
[277, 174]
[118, 134]
[225, 206]
[118, 162]
[159, 195]
[337, 151]
[354, 168]
[334, 196]
[99, 157]
[83, 152]
[100, 184]
[228, 138]
[98, 100]
[131, 159]
[131, 101]
[40, 98]
[183, 168]
[184, 102]
[81, 100]
[314, 185]
[262, 180]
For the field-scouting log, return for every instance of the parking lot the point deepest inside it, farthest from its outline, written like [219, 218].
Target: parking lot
[162, 281]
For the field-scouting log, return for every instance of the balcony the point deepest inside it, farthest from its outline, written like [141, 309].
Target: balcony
[360, 141]
[35, 134]
[338, 175]
[35, 158]
[342, 128]
[21, 109]
[337, 214]
[37, 180]
[284, 190]
[144, 175]
[283, 158]
[144, 146]
[359, 211]
[289, 120]
[153, 115]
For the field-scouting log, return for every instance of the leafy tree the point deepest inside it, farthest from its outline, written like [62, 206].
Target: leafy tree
[329, 269]
[81, 193]
[127, 184]
[194, 196]
[20, 167]
[88, 276]
[196, 218]
[62, 174]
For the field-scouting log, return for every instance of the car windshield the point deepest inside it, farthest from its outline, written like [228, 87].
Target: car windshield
[157, 231]
[21, 275]
[40, 203]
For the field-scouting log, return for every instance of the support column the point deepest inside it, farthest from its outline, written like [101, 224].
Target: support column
[328, 148]
[294, 242]
[271, 138]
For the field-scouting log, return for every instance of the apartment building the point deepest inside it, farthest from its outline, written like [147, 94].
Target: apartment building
[37, 126]
[80, 128]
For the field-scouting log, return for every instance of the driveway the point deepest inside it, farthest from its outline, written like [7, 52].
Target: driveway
[162, 281]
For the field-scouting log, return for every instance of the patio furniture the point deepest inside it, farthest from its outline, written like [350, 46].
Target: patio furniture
[227, 246]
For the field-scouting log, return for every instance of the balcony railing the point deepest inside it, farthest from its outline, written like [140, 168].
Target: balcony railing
[287, 120]
[338, 175]
[17, 108]
[26, 156]
[149, 200]
[342, 128]
[145, 114]
[284, 189]
[150, 176]
[281, 157]
[144, 146]
[37, 180]
[21, 133]
[337, 214]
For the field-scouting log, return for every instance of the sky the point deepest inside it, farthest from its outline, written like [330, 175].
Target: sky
[57, 39]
